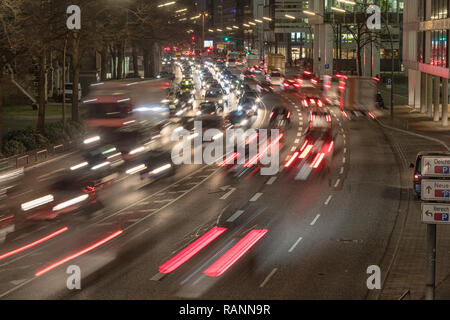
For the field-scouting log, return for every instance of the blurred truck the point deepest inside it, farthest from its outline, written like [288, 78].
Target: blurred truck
[358, 93]
[275, 62]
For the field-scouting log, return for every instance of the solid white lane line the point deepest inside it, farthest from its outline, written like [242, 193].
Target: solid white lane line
[256, 197]
[295, 244]
[337, 183]
[328, 199]
[271, 180]
[315, 220]
[236, 215]
[226, 195]
[268, 278]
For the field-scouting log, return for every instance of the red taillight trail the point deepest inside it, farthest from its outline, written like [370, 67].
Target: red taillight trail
[235, 253]
[79, 253]
[32, 244]
[191, 250]
[306, 151]
[317, 160]
[294, 156]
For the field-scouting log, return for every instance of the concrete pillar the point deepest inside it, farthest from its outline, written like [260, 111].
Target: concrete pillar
[418, 90]
[328, 50]
[445, 102]
[423, 93]
[429, 95]
[436, 98]
[411, 86]
[316, 49]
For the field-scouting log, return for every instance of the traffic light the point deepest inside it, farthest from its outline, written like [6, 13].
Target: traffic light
[226, 39]
[193, 38]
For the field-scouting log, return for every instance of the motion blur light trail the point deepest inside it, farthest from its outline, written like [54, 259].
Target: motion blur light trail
[79, 253]
[32, 244]
[191, 250]
[235, 253]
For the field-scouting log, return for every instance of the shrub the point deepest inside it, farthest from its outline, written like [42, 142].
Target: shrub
[13, 147]
[30, 138]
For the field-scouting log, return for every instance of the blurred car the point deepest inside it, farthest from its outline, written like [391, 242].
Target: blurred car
[289, 85]
[312, 102]
[246, 75]
[10, 176]
[264, 87]
[306, 80]
[209, 108]
[256, 69]
[280, 117]
[249, 105]
[7, 222]
[165, 74]
[320, 118]
[275, 78]
[237, 119]
[217, 95]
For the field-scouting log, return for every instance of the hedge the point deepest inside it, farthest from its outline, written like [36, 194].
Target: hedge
[21, 141]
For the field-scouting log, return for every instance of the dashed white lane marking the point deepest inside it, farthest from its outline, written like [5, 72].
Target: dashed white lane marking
[236, 215]
[268, 278]
[342, 170]
[299, 134]
[328, 199]
[226, 195]
[345, 150]
[337, 183]
[295, 244]
[256, 197]
[344, 136]
[271, 180]
[344, 160]
[287, 158]
[315, 220]
[157, 277]
[293, 148]
[297, 141]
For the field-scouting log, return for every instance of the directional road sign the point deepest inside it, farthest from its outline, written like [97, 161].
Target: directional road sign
[435, 213]
[437, 190]
[436, 166]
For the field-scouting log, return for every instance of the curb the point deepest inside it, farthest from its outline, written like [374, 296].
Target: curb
[414, 134]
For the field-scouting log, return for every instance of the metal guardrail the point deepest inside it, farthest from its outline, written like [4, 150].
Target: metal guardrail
[26, 159]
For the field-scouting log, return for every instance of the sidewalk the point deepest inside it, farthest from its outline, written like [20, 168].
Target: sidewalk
[405, 262]
[408, 118]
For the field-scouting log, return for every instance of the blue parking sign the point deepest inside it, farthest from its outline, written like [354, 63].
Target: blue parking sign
[444, 217]
[445, 170]
[388, 81]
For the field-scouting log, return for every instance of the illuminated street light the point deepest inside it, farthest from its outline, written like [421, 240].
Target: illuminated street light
[181, 10]
[235, 27]
[210, 30]
[228, 28]
[246, 25]
[259, 21]
[220, 30]
[166, 4]
[252, 23]
[289, 16]
[267, 18]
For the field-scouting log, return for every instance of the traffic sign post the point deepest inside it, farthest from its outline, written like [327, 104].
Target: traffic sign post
[435, 190]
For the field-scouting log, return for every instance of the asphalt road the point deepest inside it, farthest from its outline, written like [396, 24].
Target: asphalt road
[318, 235]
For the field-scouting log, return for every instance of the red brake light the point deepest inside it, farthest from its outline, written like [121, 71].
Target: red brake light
[318, 159]
[271, 115]
[416, 178]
